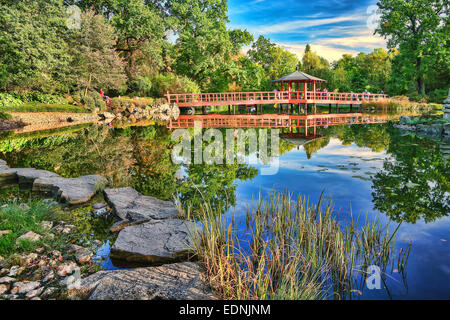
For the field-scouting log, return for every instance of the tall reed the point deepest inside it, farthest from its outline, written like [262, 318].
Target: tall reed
[290, 249]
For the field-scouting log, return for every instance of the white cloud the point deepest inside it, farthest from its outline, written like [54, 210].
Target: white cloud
[328, 52]
[289, 26]
[332, 49]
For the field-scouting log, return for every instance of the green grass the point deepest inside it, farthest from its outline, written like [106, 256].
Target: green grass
[296, 250]
[5, 116]
[43, 107]
[21, 218]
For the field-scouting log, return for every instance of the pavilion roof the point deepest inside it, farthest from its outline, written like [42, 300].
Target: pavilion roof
[299, 76]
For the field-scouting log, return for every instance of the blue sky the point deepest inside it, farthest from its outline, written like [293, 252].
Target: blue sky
[332, 27]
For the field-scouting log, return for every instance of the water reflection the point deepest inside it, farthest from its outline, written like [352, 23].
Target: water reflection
[373, 168]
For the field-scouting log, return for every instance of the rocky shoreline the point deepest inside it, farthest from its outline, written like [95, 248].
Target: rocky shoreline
[432, 129]
[149, 235]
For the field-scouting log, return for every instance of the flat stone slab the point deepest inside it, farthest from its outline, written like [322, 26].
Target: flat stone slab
[22, 176]
[155, 242]
[130, 205]
[178, 281]
[70, 190]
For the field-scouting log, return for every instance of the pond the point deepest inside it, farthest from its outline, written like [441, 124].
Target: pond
[371, 169]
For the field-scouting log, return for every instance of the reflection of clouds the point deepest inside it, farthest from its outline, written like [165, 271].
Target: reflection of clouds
[336, 158]
[420, 231]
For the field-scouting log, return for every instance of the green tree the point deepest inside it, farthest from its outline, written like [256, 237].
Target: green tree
[419, 29]
[203, 48]
[95, 62]
[262, 53]
[240, 38]
[33, 49]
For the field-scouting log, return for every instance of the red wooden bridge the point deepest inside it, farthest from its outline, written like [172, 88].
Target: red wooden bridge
[270, 97]
[284, 122]
[297, 93]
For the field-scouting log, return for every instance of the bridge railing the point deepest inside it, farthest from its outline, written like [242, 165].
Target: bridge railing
[262, 97]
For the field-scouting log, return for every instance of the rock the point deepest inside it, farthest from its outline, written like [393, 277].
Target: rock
[30, 258]
[82, 255]
[7, 280]
[66, 268]
[15, 270]
[70, 190]
[4, 232]
[71, 282]
[34, 293]
[50, 202]
[3, 165]
[50, 276]
[24, 206]
[179, 281]
[101, 212]
[3, 288]
[404, 120]
[130, 205]
[47, 224]
[155, 242]
[2, 262]
[50, 291]
[24, 176]
[30, 236]
[98, 206]
[24, 287]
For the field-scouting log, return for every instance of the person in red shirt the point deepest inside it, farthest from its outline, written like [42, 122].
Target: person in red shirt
[101, 93]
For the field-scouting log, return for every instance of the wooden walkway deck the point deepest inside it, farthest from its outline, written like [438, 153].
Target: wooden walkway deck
[269, 97]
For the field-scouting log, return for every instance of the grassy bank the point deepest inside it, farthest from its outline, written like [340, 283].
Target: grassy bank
[402, 103]
[44, 107]
[291, 250]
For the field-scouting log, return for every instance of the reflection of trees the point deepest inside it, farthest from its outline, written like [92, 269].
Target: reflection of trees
[92, 150]
[373, 136]
[315, 145]
[214, 184]
[415, 186]
[153, 172]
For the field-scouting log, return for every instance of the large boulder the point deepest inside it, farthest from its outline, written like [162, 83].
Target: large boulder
[70, 190]
[155, 242]
[179, 281]
[130, 205]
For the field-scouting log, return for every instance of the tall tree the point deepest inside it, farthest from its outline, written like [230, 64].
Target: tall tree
[419, 29]
[95, 61]
[33, 50]
[203, 49]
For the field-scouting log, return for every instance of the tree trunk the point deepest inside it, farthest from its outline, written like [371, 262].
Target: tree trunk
[420, 82]
[89, 84]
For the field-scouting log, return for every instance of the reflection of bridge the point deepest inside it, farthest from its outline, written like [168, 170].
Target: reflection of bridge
[274, 121]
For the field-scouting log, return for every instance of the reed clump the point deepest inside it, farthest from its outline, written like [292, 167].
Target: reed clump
[290, 249]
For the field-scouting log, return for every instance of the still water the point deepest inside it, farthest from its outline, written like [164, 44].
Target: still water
[371, 169]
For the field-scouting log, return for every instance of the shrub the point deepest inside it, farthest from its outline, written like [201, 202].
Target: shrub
[142, 86]
[438, 96]
[5, 116]
[7, 99]
[92, 100]
[172, 83]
